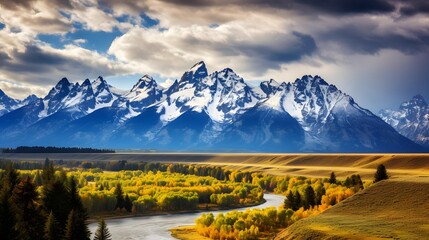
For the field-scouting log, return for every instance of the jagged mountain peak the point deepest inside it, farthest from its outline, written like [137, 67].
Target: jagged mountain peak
[87, 82]
[63, 83]
[100, 84]
[194, 75]
[144, 82]
[199, 67]
[64, 80]
[227, 75]
[417, 101]
[61, 90]
[309, 80]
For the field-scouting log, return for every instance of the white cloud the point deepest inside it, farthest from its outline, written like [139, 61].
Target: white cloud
[258, 40]
[250, 46]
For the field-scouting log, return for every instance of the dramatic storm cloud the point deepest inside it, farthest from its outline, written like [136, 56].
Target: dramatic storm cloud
[375, 50]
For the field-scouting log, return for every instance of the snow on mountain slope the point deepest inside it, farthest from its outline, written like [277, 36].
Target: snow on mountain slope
[222, 95]
[144, 93]
[411, 119]
[201, 112]
[331, 119]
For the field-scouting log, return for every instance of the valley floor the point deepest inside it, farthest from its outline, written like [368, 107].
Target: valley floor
[311, 165]
[393, 209]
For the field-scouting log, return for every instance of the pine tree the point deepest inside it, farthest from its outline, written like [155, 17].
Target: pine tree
[76, 227]
[48, 172]
[332, 178]
[37, 179]
[10, 178]
[29, 224]
[56, 199]
[102, 232]
[289, 200]
[380, 174]
[76, 222]
[119, 197]
[128, 205]
[71, 232]
[7, 216]
[310, 197]
[52, 229]
[75, 200]
[298, 201]
[319, 195]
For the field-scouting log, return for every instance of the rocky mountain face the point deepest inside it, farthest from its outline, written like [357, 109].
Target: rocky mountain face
[410, 120]
[202, 112]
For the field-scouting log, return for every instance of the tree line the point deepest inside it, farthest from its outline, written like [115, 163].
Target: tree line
[41, 149]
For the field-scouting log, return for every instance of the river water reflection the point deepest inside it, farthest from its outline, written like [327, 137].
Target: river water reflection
[156, 227]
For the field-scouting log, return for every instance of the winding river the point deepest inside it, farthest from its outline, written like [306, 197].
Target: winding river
[156, 227]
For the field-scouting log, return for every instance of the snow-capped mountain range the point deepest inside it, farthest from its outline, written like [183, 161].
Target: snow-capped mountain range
[411, 119]
[200, 112]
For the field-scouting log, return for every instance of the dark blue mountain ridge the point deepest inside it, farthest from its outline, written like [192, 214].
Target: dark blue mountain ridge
[201, 112]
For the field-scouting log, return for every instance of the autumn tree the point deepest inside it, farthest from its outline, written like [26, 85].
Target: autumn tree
[380, 174]
[102, 232]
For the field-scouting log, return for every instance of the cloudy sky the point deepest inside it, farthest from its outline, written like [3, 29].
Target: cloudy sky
[375, 50]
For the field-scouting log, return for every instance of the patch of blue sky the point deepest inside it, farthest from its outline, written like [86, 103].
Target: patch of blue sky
[56, 41]
[2, 25]
[147, 21]
[94, 40]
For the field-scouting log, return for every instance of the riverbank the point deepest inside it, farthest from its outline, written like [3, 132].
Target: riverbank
[201, 209]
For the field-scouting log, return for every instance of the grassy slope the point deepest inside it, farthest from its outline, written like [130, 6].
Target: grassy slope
[393, 209]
